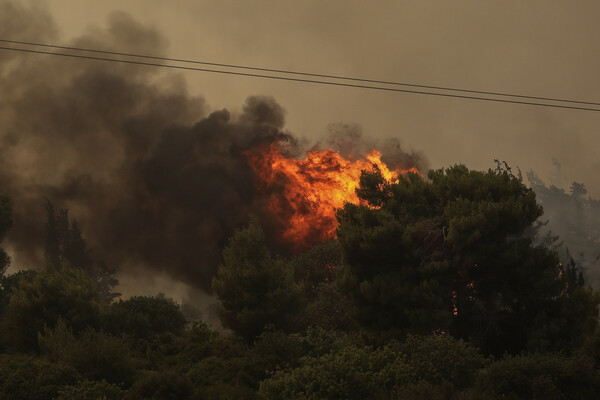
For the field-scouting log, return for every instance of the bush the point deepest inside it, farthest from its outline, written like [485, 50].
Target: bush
[237, 371]
[442, 358]
[160, 385]
[254, 288]
[95, 355]
[538, 376]
[352, 373]
[31, 378]
[87, 390]
[425, 391]
[330, 309]
[274, 350]
[41, 302]
[318, 341]
[144, 317]
[196, 344]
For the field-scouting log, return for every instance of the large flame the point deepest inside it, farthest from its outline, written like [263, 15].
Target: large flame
[304, 193]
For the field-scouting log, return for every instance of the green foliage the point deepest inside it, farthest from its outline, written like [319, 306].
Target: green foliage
[218, 365]
[319, 265]
[11, 282]
[181, 353]
[225, 367]
[27, 377]
[41, 302]
[95, 355]
[254, 288]
[318, 341]
[330, 309]
[574, 220]
[65, 245]
[144, 317]
[233, 369]
[373, 187]
[153, 385]
[389, 288]
[351, 373]
[450, 253]
[432, 367]
[426, 391]
[436, 359]
[568, 323]
[88, 390]
[589, 352]
[538, 376]
[237, 374]
[317, 271]
[8, 283]
[226, 391]
[274, 350]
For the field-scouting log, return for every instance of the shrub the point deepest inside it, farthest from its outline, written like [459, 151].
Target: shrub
[144, 317]
[160, 385]
[31, 378]
[442, 358]
[352, 373]
[41, 302]
[87, 390]
[95, 355]
[538, 376]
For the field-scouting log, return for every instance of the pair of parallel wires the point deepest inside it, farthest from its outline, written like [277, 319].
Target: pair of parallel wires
[293, 76]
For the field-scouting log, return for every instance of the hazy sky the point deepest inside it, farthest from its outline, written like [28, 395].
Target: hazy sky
[538, 48]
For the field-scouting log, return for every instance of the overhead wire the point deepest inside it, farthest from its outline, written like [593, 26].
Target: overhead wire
[287, 78]
[316, 75]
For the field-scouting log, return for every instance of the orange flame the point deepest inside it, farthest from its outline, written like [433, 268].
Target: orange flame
[304, 194]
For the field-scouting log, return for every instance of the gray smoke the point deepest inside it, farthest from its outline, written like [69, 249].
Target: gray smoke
[152, 177]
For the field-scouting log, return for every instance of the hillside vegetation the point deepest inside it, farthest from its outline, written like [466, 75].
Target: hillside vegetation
[433, 289]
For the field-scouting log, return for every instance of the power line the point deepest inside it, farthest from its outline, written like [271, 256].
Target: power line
[281, 71]
[340, 84]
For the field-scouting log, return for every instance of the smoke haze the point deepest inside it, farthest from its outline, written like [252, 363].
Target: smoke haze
[156, 180]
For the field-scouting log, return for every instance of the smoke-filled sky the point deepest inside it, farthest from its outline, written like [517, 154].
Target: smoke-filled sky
[69, 127]
[539, 48]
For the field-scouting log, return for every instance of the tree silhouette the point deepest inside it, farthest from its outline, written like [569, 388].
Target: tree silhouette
[451, 253]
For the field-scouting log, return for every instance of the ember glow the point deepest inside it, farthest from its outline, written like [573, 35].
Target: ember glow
[303, 194]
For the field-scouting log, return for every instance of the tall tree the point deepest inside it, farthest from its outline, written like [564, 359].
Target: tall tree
[450, 253]
[574, 218]
[65, 245]
[254, 288]
[44, 300]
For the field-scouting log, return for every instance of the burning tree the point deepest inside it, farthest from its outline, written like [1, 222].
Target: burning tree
[450, 254]
[303, 194]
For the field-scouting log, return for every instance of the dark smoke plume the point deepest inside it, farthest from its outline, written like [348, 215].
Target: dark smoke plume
[152, 178]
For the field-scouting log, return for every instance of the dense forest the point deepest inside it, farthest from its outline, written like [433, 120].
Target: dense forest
[570, 224]
[437, 287]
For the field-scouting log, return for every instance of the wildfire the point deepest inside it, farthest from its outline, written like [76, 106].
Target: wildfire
[303, 194]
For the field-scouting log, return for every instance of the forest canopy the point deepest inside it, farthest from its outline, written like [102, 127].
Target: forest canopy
[434, 288]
